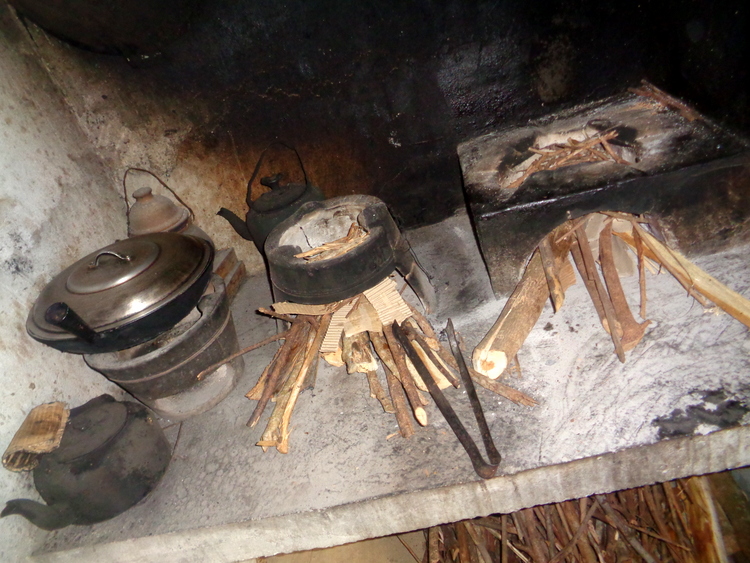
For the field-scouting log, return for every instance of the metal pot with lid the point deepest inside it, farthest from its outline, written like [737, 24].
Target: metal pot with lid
[122, 295]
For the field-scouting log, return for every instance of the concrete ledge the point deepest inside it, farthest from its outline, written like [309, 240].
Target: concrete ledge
[663, 461]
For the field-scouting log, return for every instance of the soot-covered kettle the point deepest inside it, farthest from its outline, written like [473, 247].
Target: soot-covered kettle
[112, 454]
[273, 206]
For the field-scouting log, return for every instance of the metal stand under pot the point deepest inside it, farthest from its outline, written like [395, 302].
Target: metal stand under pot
[162, 373]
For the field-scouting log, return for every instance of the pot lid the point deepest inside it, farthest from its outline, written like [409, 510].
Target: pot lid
[154, 213]
[122, 282]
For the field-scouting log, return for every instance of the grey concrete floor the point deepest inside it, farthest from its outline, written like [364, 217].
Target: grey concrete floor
[677, 407]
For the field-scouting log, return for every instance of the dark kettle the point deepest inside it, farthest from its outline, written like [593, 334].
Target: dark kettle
[270, 209]
[112, 454]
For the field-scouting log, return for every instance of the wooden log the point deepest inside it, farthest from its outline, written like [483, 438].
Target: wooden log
[632, 331]
[518, 317]
[433, 545]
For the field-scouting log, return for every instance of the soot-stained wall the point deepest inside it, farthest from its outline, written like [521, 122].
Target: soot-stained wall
[376, 96]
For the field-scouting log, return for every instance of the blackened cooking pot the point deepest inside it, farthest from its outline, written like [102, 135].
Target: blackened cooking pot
[122, 295]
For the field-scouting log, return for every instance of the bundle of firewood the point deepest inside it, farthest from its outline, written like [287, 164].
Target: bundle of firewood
[549, 273]
[670, 522]
[357, 333]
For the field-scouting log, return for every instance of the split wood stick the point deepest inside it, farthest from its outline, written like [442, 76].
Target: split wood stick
[661, 525]
[257, 391]
[435, 369]
[632, 331]
[575, 251]
[275, 315]
[296, 339]
[678, 274]
[377, 392]
[536, 541]
[406, 378]
[592, 274]
[433, 545]
[464, 554]
[518, 397]
[641, 272]
[413, 325]
[380, 344]
[556, 292]
[424, 324]
[357, 354]
[577, 537]
[504, 539]
[399, 403]
[518, 317]
[310, 357]
[271, 436]
[729, 300]
[217, 365]
[478, 542]
[618, 522]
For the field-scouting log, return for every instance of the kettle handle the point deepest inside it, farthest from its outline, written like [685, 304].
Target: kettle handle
[162, 182]
[260, 161]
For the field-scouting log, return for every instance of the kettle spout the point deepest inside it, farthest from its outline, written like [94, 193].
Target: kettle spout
[41, 515]
[237, 224]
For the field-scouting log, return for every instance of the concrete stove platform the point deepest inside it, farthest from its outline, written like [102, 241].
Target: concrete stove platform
[600, 426]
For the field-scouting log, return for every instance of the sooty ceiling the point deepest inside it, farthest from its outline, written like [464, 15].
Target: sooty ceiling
[376, 95]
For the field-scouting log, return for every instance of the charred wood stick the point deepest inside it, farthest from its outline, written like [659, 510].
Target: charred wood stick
[518, 317]
[632, 331]
[297, 336]
[618, 522]
[312, 355]
[281, 336]
[406, 378]
[377, 392]
[383, 351]
[591, 273]
[399, 403]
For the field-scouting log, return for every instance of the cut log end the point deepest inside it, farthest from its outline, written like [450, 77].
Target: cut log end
[491, 363]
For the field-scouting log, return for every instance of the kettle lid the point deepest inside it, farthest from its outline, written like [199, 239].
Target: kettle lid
[93, 425]
[155, 213]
